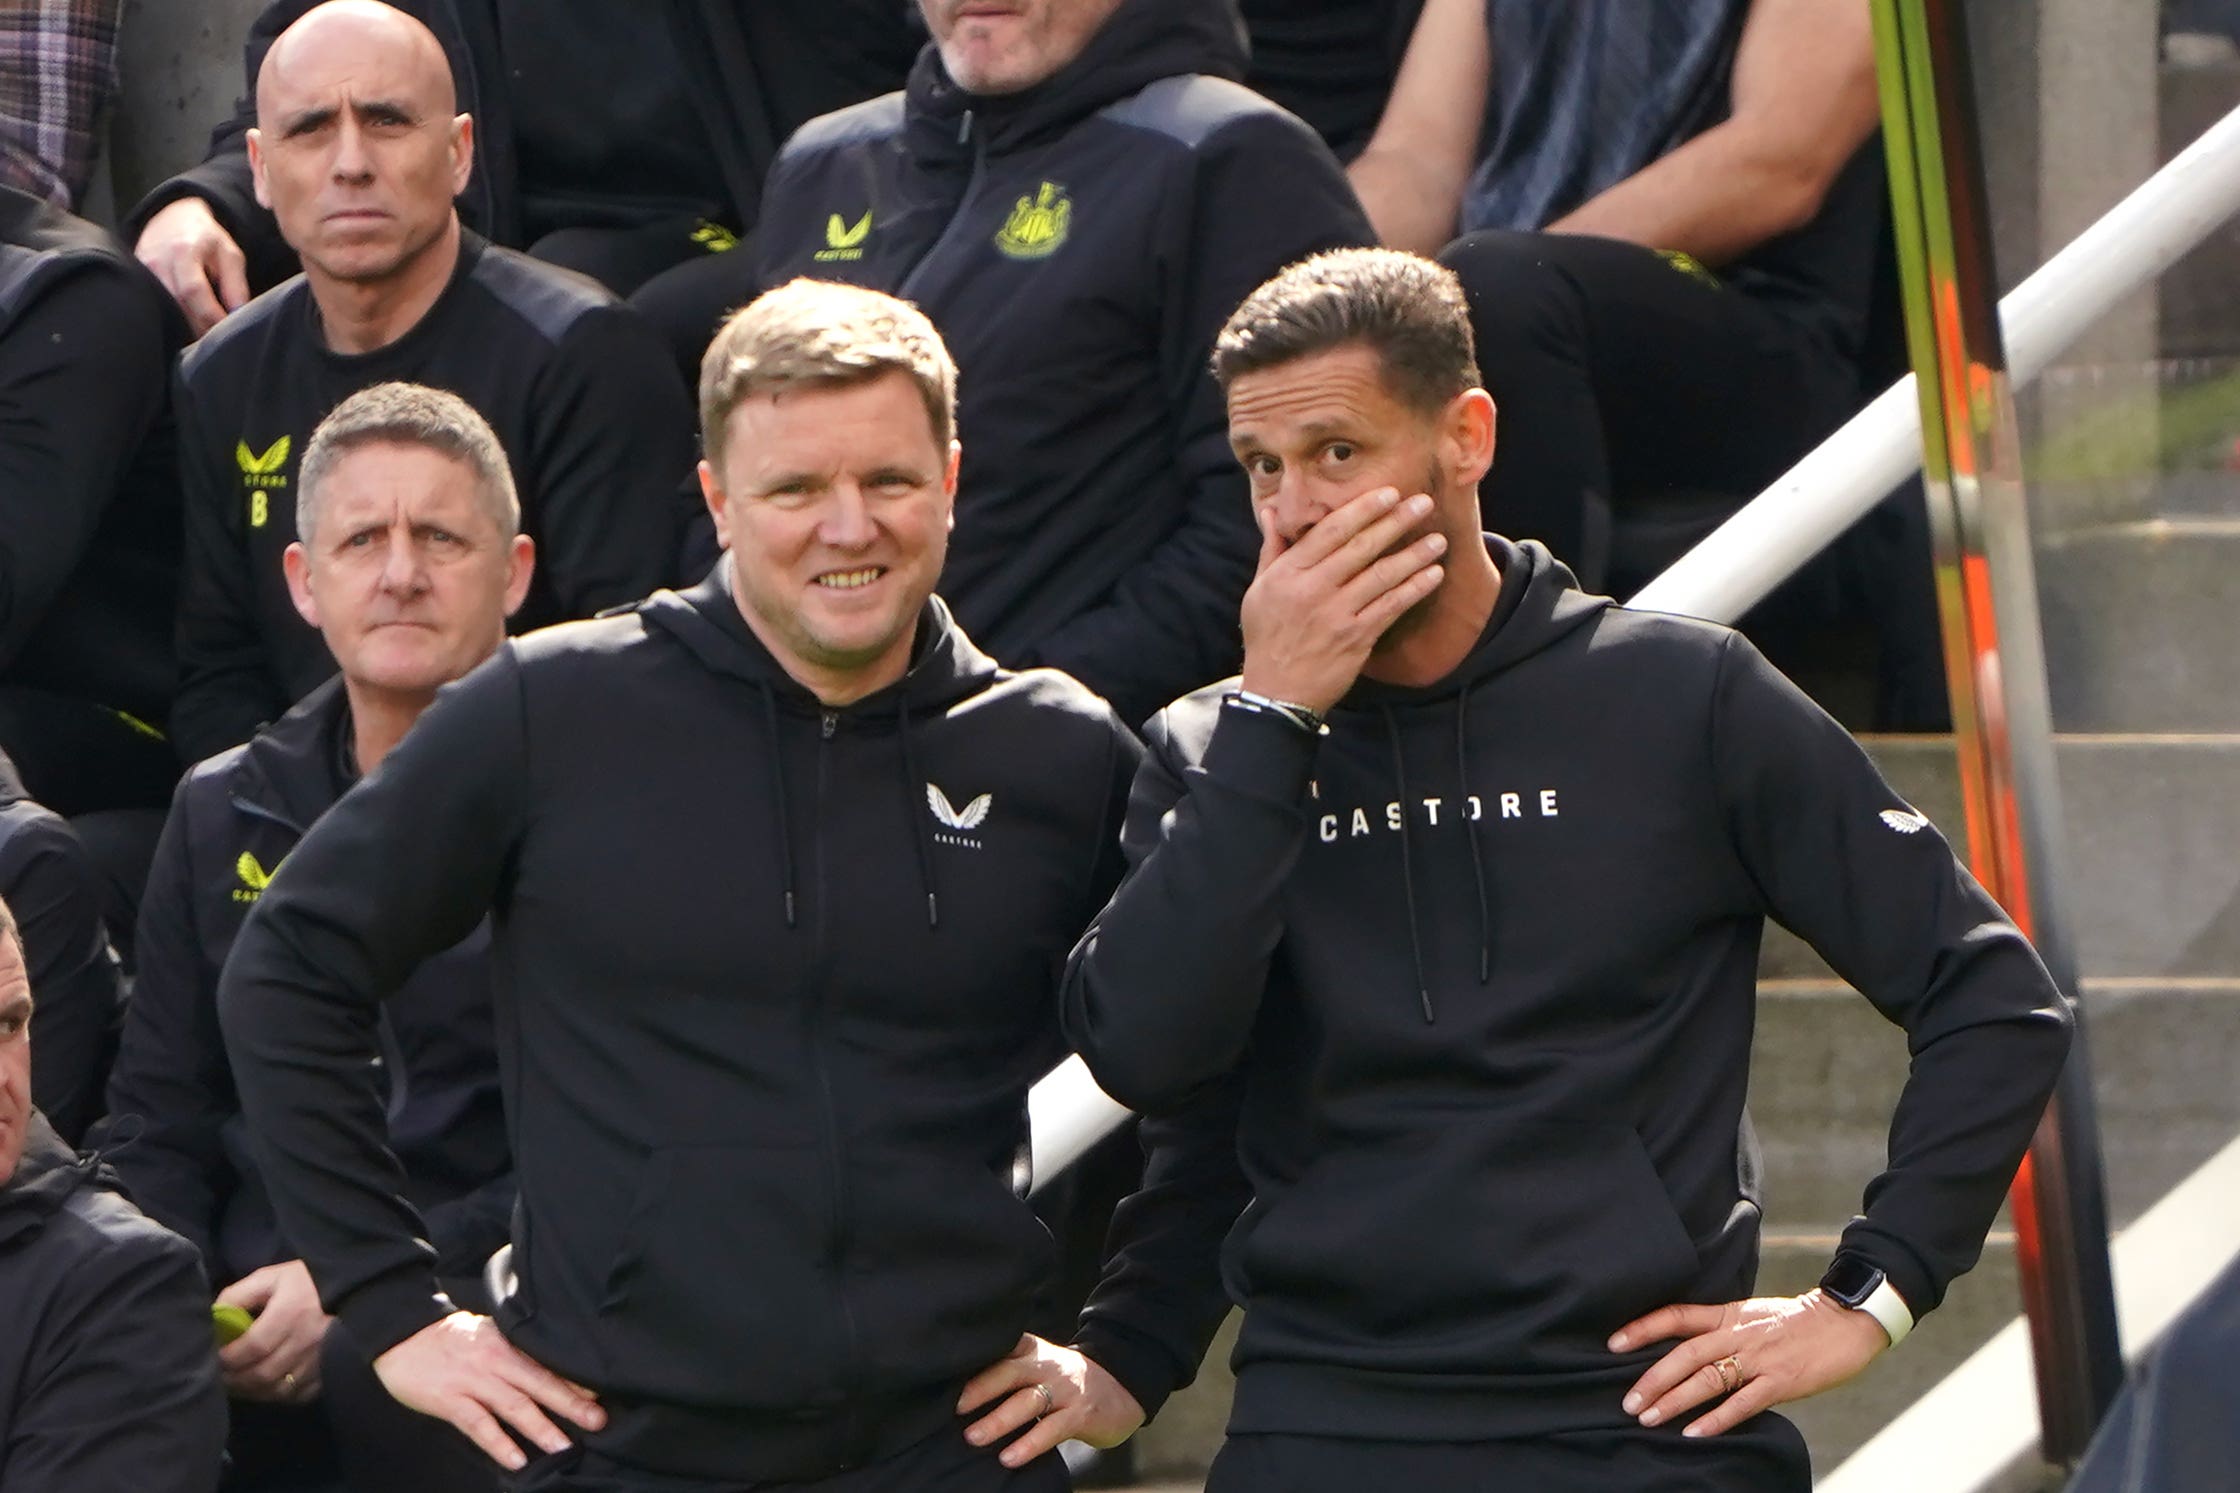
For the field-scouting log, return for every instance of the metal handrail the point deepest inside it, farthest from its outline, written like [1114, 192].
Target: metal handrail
[1844, 477]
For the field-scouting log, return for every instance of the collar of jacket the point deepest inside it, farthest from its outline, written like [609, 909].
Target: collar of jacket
[45, 1178]
[1142, 42]
[945, 664]
[287, 770]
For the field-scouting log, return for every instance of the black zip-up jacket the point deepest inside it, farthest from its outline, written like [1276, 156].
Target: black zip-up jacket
[89, 512]
[775, 981]
[1478, 970]
[108, 1375]
[750, 70]
[177, 1133]
[55, 893]
[586, 401]
[1079, 245]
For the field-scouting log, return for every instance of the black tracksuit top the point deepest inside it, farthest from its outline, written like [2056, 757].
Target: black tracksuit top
[774, 982]
[1079, 245]
[1468, 986]
[587, 403]
[234, 821]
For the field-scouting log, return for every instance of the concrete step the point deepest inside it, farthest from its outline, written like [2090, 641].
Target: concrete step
[1827, 1069]
[2139, 633]
[2152, 822]
[1175, 1450]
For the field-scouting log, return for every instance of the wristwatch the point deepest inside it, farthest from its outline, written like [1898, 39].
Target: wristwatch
[1305, 717]
[1852, 1282]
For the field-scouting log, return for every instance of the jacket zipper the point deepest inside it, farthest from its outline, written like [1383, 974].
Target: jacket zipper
[819, 1057]
[971, 190]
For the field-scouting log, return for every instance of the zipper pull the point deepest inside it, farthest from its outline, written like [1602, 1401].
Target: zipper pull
[831, 724]
[964, 128]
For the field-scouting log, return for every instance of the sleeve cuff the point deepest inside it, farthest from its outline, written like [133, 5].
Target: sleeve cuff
[1143, 1368]
[388, 1309]
[1916, 1291]
[1260, 755]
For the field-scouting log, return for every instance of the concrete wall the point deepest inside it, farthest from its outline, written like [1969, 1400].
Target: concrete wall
[182, 73]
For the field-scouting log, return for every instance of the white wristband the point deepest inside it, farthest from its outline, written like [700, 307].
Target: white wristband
[1886, 1306]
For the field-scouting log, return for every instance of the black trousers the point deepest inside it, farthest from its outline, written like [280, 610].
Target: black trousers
[1764, 1455]
[942, 1463]
[1619, 378]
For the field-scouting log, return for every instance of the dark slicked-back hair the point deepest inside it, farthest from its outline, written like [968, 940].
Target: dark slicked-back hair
[1410, 311]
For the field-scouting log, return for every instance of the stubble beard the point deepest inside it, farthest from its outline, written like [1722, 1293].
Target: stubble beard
[1418, 617]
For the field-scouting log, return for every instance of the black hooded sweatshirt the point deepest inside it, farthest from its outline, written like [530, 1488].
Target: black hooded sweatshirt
[184, 1148]
[1477, 970]
[775, 979]
[108, 1376]
[1079, 245]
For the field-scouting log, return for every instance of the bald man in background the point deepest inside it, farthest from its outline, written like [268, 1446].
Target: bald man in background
[359, 152]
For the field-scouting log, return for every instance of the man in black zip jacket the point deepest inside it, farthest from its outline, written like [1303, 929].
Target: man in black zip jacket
[781, 872]
[409, 563]
[359, 153]
[1077, 192]
[89, 514]
[1444, 919]
[625, 141]
[107, 1379]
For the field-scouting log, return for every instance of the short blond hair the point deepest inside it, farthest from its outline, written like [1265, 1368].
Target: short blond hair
[401, 414]
[815, 333]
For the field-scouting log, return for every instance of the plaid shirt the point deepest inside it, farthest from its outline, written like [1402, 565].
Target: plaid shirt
[58, 72]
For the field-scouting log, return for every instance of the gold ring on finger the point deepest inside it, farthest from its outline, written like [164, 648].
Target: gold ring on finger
[288, 1383]
[1048, 1404]
[1730, 1374]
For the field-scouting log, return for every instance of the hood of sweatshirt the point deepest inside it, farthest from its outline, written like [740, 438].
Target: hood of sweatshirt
[1540, 603]
[945, 667]
[1142, 42]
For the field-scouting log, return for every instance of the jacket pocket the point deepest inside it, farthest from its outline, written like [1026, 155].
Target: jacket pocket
[1463, 1247]
[722, 1290]
[945, 1269]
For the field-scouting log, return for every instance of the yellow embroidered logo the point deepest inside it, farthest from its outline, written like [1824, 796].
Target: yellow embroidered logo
[261, 474]
[714, 237]
[254, 878]
[842, 241]
[1037, 226]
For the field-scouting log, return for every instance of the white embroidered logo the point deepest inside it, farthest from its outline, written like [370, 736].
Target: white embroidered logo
[958, 823]
[1905, 821]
